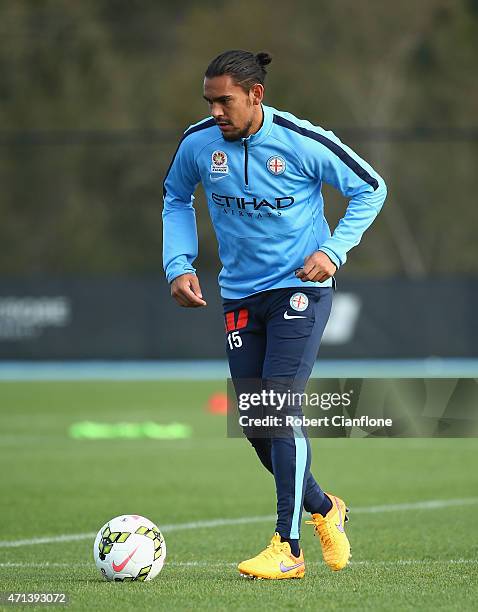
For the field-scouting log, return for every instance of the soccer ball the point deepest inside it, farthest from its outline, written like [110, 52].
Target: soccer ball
[129, 547]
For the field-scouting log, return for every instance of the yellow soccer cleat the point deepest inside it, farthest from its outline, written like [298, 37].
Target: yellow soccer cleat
[331, 531]
[276, 562]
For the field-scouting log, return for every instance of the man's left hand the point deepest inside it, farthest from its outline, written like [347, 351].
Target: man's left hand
[317, 267]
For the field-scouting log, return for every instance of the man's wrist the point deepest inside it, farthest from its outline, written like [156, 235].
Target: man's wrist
[331, 255]
[174, 275]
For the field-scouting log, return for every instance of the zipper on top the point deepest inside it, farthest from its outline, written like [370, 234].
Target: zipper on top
[246, 159]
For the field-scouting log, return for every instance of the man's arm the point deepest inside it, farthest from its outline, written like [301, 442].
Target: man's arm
[180, 241]
[336, 164]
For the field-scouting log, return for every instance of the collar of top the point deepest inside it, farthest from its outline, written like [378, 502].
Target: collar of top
[264, 130]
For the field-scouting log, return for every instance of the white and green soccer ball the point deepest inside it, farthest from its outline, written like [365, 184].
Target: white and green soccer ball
[129, 547]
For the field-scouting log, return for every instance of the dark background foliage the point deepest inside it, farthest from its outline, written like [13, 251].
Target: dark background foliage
[94, 96]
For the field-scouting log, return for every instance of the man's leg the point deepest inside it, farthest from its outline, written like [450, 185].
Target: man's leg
[292, 347]
[291, 455]
[290, 353]
[243, 317]
[246, 348]
[247, 362]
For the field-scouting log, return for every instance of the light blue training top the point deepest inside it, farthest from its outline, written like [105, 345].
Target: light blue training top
[265, 202]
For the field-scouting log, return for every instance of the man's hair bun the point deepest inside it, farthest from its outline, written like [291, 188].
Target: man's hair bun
[244, 67]
[263, 59]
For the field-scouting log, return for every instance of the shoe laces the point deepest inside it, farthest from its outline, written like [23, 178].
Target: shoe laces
[275, 547]
[322, 528]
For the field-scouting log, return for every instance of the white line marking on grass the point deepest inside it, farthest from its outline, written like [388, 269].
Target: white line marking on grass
[432, 504]
[42, 564]
[424, 505]
[395, 562]
[416, 562]
[47, 540]
[352, 563]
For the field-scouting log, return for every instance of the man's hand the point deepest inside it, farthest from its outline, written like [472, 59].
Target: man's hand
[317, 267]
[186, 291]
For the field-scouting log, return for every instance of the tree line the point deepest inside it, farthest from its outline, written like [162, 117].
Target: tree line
[80, 206]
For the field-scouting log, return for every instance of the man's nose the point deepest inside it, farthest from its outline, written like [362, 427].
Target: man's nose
[216, 110]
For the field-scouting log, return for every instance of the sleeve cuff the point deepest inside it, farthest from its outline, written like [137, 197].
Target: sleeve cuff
[331, 255]
[177, 271]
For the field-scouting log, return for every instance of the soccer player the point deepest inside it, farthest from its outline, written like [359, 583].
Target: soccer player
[262, 170]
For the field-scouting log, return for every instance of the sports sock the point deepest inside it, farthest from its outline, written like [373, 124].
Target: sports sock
[325, 506]
[294, 546]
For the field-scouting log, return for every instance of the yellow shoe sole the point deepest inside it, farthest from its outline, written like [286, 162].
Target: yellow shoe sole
[298, 573]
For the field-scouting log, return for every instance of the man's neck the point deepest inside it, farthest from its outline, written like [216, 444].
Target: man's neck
[257, 121]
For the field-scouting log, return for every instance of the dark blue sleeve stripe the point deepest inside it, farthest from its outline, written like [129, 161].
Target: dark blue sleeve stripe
[197, 128]
[332, 146]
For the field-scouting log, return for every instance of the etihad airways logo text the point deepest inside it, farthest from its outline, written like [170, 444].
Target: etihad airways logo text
[249, 204]
[252, 208]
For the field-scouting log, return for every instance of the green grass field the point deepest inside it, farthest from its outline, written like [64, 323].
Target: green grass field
[420, 557]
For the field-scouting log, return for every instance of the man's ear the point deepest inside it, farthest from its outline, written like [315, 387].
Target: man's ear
[257, 93]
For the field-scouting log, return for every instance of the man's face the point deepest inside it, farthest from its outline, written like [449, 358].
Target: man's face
[232, 108]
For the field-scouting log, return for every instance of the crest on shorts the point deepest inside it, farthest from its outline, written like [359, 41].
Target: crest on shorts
[219, 162]
[276, 164]
[299, 301]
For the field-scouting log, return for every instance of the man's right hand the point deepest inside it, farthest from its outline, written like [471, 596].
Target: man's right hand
[186, 291]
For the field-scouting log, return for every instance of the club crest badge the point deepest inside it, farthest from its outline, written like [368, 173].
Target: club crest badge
[276, 165]
[219, 162]
[299, 301]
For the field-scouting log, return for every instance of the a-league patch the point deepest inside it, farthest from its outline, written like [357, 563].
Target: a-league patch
[219, 162]
[276, 164]
[299, 301]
